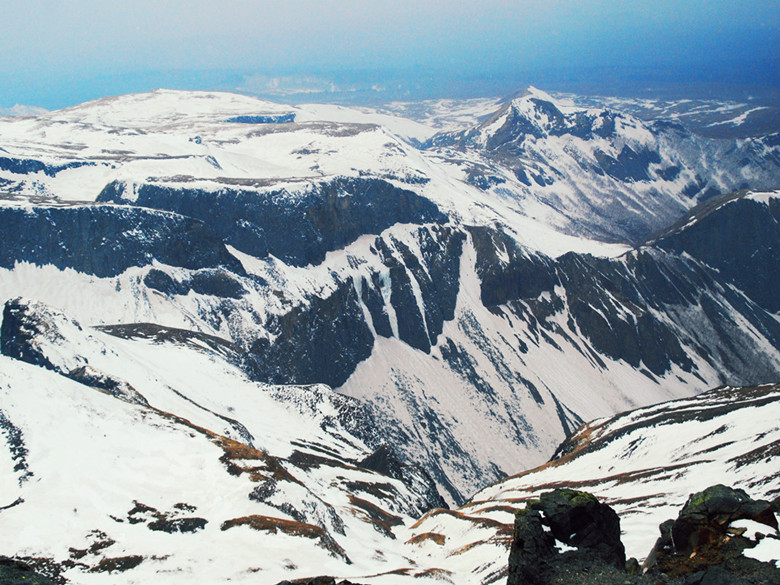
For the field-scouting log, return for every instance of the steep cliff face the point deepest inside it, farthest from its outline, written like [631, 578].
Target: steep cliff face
[105, 240]
[319, 342]
[737, 235]
[299, 227]
[425, 323]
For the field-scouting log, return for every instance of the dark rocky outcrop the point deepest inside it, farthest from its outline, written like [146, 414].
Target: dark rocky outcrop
[112, 385]
[26, 166]
[18, 572]
[701, 538]
[21, 326]
[619, 304]
[576, 519]
[436, 274]
[28, 329]
[300, 227]
[322, 580]
[318, 342]
[740, 238]
[696, 549]
[630, 165]
[384, 460]
[105, 240]
[523, 275]
[532, 550]
[215, 282]
[263, 119]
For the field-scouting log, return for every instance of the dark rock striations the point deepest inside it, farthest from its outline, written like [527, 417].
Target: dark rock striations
[297, 227]
[106, 240]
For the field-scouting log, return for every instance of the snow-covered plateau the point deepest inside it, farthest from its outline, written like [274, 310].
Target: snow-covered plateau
[252, 342]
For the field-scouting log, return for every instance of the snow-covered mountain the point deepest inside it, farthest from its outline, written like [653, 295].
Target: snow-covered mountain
[600, 172]
[146, 448]
[360, 302]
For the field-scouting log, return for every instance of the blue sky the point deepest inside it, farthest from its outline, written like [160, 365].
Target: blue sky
[55, 53]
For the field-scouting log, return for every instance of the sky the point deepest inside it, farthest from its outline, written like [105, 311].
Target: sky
[57, 53]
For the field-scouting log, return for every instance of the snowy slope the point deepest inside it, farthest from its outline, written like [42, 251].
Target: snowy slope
[330, 250]
[190, 469]
[600, 172]
[644, 463]
[185, 468]
[708, 117]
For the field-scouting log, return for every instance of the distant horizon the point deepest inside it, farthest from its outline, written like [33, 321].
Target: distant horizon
[54, 55]
[341, 88]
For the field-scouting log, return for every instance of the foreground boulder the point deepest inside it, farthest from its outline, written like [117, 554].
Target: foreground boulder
[702, 546]
[569, 520]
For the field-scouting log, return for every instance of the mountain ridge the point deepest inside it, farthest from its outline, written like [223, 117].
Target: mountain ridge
[353, 325]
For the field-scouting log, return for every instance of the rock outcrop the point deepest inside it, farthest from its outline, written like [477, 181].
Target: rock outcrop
[567, 536]
[563, 519]
[105, 240]
[299, 227]
[702, 538]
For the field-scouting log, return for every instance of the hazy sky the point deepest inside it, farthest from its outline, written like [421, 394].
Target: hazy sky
[55, 53]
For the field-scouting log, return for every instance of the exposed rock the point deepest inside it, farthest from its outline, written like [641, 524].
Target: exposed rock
[706, 516]
[182, 525]
[319, 342]
[292, 528]
[700, 539]
[21, 327]
[105, 240]
[576, 519]
[299, 228]
[617, 305]
[739, 237]
[436, 283]
[263, 119]
[385, 461]
[26, 166]
[170, 522]
[93, 377]
[322, 580]
[161, 281]
[16, 572]
[533, 550]
[117, 564]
